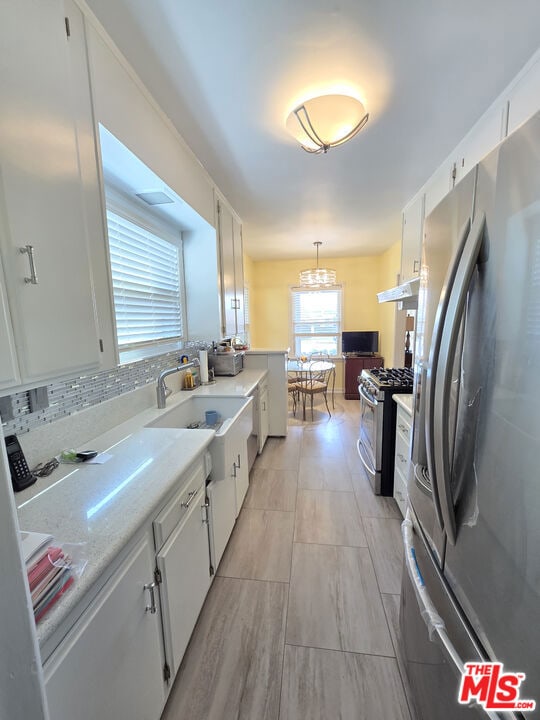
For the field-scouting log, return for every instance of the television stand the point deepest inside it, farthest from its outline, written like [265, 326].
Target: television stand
[354, 364]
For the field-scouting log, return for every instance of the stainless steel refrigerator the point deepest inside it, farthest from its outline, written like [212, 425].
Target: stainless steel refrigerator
[471, 589]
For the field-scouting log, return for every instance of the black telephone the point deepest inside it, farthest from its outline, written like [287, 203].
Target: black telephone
[21, 477]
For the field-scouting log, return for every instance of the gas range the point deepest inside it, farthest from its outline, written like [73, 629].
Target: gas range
[380, 381]
[377, 441]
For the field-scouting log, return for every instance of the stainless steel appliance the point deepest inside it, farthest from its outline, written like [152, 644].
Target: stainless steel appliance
[472, 540]
[226, 363]
[377, 440]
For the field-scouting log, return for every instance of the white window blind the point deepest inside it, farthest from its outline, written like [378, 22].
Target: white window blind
[146, 284]
[316, 320]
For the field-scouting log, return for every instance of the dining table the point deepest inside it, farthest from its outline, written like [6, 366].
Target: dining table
[300, 369]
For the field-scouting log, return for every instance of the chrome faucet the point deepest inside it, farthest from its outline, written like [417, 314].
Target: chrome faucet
[162, 390]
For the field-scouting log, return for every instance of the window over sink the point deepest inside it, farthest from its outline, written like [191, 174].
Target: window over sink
[146, 273]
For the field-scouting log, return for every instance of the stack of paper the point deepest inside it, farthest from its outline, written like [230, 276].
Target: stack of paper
[49, 576]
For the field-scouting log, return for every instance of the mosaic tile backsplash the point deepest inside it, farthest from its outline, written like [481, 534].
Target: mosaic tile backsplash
[70, 396]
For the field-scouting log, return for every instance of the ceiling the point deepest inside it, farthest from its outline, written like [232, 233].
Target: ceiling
[228, 73]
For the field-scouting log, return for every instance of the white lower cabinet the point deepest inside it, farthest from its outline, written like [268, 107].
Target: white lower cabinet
[240, 471]
[275, 361]
[222, 499]
[401, 458]
[263, 416]
[110, 665]
[184, 564]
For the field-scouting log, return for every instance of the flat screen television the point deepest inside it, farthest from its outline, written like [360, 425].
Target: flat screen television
[360, 343]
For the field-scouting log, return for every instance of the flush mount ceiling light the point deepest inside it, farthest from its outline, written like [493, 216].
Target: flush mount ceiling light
[326, 121]
[317, 277]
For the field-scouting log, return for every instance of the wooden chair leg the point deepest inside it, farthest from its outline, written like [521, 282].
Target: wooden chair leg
[311, 395]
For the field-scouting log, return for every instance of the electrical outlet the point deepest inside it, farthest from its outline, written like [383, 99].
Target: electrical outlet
[6, 408]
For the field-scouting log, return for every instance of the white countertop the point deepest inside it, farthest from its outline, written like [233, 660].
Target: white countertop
[266, 351]
[103, 506]
[404, 400]
[241, 385]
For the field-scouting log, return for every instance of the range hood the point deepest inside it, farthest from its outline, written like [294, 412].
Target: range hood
[406, 293]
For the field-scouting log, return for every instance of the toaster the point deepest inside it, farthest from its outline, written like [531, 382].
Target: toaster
[226, 363]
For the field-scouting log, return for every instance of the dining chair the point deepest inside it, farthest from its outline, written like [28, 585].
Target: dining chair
[293, 391]
[325, 357]
[316, 383]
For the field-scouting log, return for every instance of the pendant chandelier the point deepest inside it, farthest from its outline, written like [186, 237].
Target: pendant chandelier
[317, 277]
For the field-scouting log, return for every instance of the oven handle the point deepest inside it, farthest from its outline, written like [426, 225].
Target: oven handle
[370, 470]
[366, 398]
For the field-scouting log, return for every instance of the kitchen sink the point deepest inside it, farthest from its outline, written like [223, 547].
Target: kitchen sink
[232, 411]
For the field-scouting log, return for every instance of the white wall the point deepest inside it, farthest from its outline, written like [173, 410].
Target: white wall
[125, 107]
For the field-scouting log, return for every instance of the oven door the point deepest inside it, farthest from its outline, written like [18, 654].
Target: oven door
[370, 441]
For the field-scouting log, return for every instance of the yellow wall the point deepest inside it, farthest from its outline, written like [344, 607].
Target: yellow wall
[390, 264]
[361, 277]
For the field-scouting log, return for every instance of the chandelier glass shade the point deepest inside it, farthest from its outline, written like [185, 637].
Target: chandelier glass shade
[317, 277]
[326, 121]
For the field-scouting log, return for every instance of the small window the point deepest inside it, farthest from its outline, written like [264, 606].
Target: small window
[316, 320]
[147, 287]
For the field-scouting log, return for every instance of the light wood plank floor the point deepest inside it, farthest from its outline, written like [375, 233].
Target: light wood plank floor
[301, 622]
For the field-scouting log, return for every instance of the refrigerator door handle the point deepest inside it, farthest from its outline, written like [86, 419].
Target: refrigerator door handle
[428, 611]
[431, 372]
[442, 380]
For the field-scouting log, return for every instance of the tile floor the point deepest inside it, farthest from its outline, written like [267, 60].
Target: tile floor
[301, 622]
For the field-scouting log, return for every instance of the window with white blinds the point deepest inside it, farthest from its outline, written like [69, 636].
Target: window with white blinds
[316, 320]
[146, 285]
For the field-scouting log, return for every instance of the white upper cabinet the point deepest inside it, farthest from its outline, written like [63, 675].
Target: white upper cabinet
[239, 277]
[226, 252]
[231, 270]
[411, 242]
[438, 185]
[524, 97]
[49, 287]
[9, 368]
[486, 134]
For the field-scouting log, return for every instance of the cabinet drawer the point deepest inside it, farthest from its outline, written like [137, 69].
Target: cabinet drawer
[402, 455]
[403, 425]
[400, 491]
[171, 515]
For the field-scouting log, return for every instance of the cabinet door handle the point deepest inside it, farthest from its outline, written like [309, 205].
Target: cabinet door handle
[403, 428]
[204, 508]
[416, 266]
[29, 250]
[191, 495]
[264, 406]
[234, 469]
[152, 609]
[239, 464]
